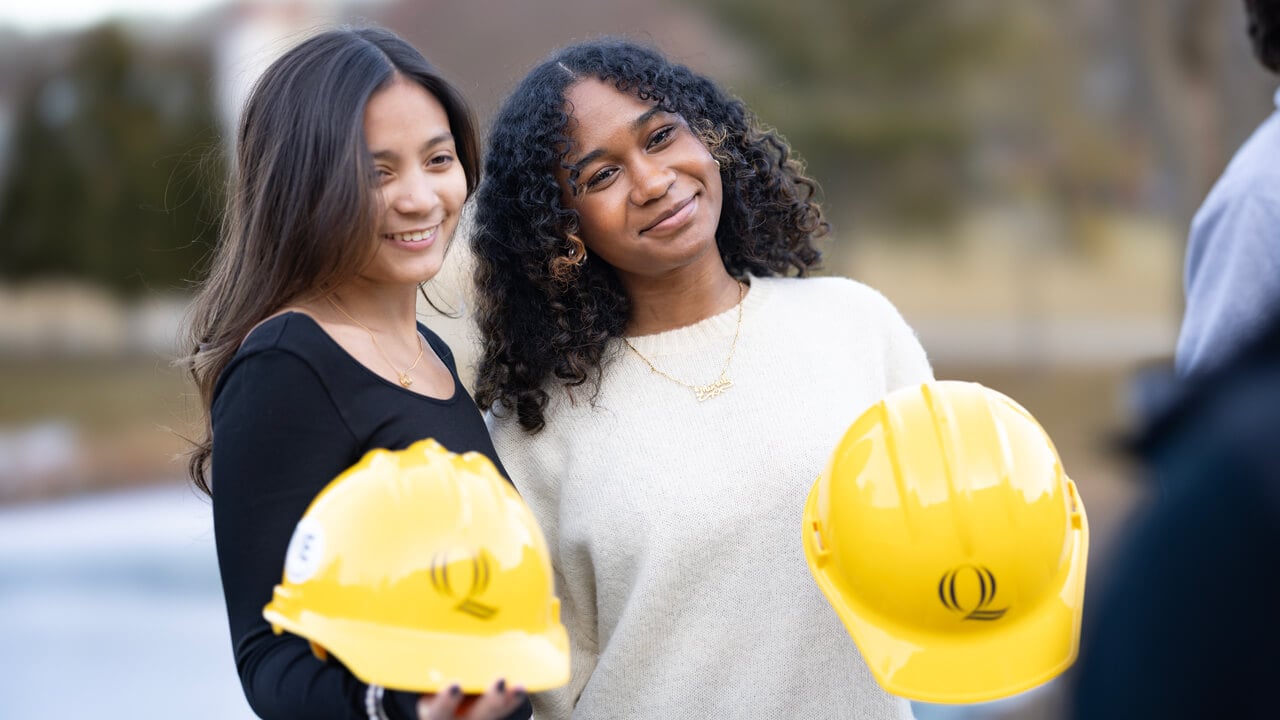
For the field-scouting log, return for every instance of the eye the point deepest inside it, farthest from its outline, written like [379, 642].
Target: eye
[661, 136]
[440, 160]
[601, 177]
[382, 173]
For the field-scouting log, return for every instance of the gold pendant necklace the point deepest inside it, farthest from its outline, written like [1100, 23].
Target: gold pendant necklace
[722, 383]
[405, 380]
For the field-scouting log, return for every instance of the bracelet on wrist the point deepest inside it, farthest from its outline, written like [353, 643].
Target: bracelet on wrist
[373, 703]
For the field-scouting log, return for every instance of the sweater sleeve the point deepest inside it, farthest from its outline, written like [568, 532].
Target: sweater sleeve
[277, 439]
[904, 360]
[558, 704]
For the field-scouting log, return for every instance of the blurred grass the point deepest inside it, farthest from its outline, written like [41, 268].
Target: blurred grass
[96, 394]
[126, 418]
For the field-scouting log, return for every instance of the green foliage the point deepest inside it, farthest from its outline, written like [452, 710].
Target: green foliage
[876, 95]
[115, 172]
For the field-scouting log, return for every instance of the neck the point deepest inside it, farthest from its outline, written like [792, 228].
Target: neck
[679, 299]
[389, 310]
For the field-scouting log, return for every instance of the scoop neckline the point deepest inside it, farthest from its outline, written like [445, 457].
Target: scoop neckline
[457, 383]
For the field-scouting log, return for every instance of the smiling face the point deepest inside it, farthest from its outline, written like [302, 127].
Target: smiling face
[648, 191]
[421, 183]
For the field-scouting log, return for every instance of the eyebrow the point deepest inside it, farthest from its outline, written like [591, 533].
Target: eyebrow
[636, 124]
[442, 138]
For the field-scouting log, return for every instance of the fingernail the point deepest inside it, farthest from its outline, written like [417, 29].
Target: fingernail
[455, 690]
[502, 685]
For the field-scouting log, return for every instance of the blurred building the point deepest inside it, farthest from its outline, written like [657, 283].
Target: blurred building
[250, 34]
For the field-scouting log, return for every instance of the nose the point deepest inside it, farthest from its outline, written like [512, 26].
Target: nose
[651, 180]
[415, 195]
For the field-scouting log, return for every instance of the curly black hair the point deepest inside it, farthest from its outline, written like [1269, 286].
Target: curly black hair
[1264, 31]
[542, 319]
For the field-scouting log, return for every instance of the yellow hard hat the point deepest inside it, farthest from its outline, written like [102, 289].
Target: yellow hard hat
[951, 544]
[420, 568]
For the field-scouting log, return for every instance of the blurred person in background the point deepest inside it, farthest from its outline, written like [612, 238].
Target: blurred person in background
[354, 159]
[1232, 269]
[1187, 623]
[663, 392]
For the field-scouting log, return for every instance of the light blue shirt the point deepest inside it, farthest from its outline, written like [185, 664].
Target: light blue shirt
[1232, 275]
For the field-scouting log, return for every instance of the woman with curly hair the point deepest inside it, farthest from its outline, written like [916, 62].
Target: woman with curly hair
[663, 394]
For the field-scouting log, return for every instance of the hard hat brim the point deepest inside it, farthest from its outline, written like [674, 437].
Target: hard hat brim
[931, 667]
[428, 662]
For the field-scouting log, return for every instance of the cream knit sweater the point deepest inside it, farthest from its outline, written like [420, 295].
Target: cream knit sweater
[674, 525]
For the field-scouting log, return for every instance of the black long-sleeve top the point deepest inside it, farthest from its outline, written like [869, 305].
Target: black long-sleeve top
[291, 411]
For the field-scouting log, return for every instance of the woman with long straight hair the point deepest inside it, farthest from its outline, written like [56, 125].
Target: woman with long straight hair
[353, 162]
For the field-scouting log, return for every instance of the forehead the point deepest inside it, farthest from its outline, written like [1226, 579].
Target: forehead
[598, 112]
[403, 111]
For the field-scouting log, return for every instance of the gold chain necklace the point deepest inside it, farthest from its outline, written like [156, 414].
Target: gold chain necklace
[405, 380]
[721, 383]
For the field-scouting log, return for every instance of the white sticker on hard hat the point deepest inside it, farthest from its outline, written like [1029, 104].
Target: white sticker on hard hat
[306, 549]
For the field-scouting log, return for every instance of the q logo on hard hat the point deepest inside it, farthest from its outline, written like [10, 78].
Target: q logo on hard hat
[476, 578]
[979, 608]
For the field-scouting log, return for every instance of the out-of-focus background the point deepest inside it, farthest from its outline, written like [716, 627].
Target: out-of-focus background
[1016, 175]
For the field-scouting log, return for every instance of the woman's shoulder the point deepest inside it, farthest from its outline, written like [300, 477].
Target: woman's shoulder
[569, 416]
[290, 331]
[826, 290]
[505, 422]
[524, 454]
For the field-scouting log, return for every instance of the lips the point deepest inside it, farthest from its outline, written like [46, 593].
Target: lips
[668, 213]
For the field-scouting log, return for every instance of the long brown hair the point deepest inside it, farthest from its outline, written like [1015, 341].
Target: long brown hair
[302, 193]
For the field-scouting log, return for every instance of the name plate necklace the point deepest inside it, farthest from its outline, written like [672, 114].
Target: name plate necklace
[722, 383]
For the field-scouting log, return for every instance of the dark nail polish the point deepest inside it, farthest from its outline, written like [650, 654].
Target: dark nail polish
[502, 685]
[455, 690]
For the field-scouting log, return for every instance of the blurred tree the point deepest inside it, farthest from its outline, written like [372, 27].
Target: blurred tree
[1184, 54]
[876, 95]
[909, 109]
[109, 180]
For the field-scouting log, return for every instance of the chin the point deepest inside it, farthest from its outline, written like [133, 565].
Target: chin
[427, 276]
